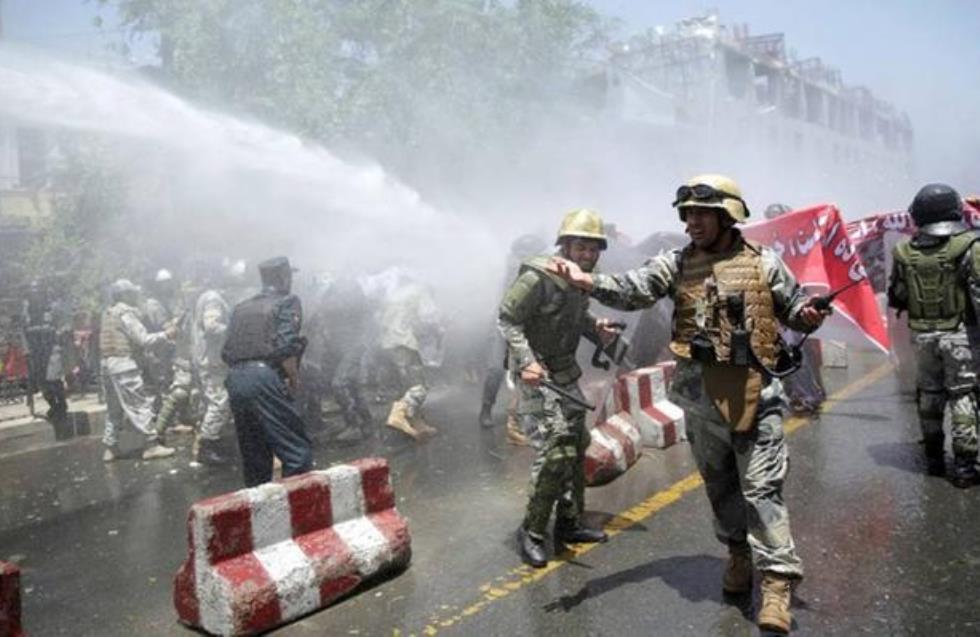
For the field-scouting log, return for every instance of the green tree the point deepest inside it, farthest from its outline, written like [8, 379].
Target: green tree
[388, 77]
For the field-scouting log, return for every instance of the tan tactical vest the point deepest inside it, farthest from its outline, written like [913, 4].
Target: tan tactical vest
[112, 336]
[706, 282]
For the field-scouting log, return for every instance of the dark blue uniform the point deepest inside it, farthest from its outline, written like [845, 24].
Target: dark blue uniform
[265, 413]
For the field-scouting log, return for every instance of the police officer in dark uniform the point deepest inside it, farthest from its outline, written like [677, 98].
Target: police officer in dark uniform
[263, 351]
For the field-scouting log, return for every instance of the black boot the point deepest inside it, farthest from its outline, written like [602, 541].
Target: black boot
[532, 549]
[575, 533]
[486, 417]
[964, 472]
[935, 461]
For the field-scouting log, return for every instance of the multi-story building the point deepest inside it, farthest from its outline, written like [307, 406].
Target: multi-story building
[758, 112]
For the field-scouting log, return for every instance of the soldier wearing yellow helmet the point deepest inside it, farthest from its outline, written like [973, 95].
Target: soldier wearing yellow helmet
[543, 318]
[729, 297]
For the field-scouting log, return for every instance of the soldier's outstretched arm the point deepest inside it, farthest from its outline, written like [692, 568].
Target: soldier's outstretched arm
[138, 334]
[631, 290]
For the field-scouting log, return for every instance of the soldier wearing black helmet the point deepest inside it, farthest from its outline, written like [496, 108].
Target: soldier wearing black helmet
[263, 349]
[933, 280]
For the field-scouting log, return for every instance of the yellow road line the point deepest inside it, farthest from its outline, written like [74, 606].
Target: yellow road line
[518, 578]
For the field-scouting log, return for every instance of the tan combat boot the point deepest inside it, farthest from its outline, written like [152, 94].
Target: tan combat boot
[738, 572]
[774, 614]
[425, 430]
[514, 434]
[398, 420]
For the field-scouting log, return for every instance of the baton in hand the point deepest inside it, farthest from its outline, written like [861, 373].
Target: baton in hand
[547, 384]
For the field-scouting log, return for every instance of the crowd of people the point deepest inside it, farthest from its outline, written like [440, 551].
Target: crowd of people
[196, 356]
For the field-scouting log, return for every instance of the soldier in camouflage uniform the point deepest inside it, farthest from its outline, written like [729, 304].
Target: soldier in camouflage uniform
[543, 318]
[208, 330]
[934, 276]
[525, 246]
[409, 318]
[730, 296]
[123, 338]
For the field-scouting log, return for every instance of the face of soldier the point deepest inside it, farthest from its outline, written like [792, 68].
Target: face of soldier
[703, 225]
[584, 252]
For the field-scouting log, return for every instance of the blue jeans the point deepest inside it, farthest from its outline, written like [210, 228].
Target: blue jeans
[267, 423]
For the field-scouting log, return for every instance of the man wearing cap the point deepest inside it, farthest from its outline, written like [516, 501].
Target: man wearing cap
[542, 318]
[730, 296]
[121, 338]
[263, 349]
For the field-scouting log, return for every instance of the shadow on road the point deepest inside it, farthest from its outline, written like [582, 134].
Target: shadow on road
[696, 577]
[907, 456]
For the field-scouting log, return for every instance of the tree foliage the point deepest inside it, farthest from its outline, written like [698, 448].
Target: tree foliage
[386, 77]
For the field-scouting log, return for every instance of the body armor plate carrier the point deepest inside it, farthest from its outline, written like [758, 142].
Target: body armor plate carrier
[112, 336]
[252, 331]
[710, 287]
[936, 299]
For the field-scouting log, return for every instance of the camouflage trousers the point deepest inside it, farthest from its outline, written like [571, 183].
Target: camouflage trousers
[743, 472]
[126, 400]
[410, 373]
[177, 398]
[945, 374]
[217, 409]
[557, 429]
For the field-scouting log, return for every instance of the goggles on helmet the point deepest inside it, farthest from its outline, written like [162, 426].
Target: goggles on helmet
[704, 192]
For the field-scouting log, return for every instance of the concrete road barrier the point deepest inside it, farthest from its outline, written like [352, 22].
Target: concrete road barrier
[635, 413]
[10, 600]
[643, 395]
[614, 448]
[264, 556]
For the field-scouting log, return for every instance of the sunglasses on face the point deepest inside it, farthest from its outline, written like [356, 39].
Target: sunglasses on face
[704, 192]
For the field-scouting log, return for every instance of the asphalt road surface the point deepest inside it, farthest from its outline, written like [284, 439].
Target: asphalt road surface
[887, 550]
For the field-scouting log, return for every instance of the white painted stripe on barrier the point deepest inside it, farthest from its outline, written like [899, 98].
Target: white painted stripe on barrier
[659, 385]
[295, 579]
[271, 520]
[346, 494]
[368, 546]
[628, 429]
[607, 441]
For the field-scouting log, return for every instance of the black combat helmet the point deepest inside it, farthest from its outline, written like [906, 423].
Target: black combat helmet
[936, 204]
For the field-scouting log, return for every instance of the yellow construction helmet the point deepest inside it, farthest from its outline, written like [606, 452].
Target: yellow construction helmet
[583, 223]
[712, 191]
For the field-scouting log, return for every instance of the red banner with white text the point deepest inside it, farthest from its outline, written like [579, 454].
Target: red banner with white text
[814, 244]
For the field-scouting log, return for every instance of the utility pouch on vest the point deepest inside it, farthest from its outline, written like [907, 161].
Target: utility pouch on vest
[739, 347]
[702, 349]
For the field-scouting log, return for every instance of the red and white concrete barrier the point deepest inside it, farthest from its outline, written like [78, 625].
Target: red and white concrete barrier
[634, 413]
[615, 447]
[643, 395]
[10, 600]
[264, 556]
